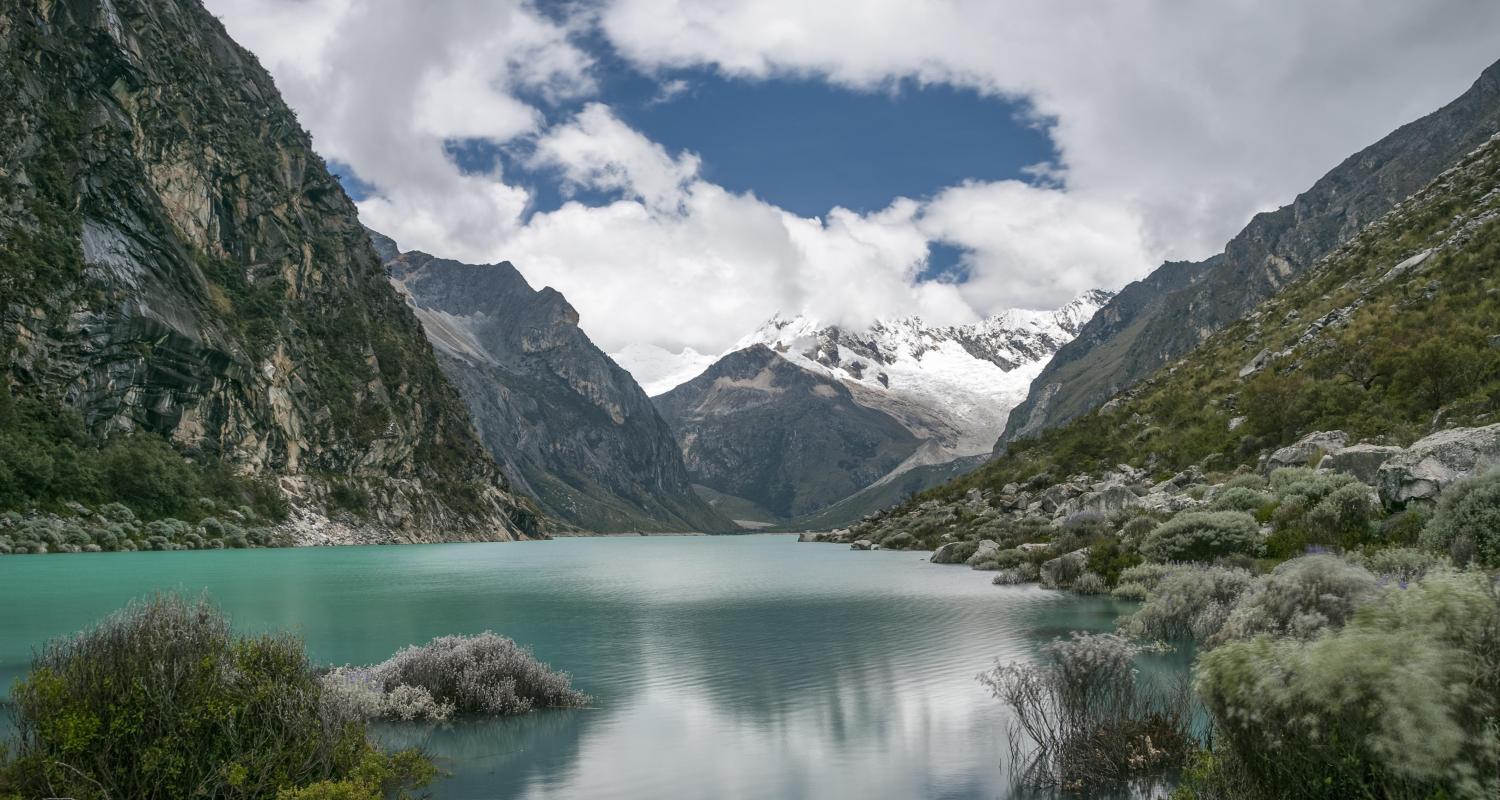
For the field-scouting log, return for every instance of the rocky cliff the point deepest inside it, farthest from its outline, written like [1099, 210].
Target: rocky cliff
[175, 259]
[1156, 320]
[571, 428]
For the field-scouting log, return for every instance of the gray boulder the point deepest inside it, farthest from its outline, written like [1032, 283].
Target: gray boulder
[984, 552]
[1108, 501]
[1363, 461]
[1318, 443]
[1430, 465]
[862, 544]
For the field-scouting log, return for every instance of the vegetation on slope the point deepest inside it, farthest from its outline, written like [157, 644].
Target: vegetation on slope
[1402, 354]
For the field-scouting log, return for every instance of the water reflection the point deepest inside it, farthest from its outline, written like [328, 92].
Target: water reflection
[745, 667]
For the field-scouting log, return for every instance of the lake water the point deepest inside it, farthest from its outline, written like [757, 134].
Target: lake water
[721, 667]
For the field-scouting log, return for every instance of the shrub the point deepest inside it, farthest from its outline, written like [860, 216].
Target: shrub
[1401, 565]
[1189, 602]
[1025, 572]
[1311, 486]
[1240, 498]
[1136, 582]
[1084, 720]
[1404, 701]
[162, 701]
[485, 674]
[1090, 583]
[1248, 480]
[1405, 527]
[1467, 522]
[1343, 516]
[1060, 572]
[1203, 536]
[1300, 598]
[1109, 557]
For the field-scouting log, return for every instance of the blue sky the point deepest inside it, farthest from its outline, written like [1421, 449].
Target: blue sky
[802, 144]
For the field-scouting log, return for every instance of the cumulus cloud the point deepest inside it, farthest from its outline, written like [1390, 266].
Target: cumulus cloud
[1174, 122]
[1196, 114]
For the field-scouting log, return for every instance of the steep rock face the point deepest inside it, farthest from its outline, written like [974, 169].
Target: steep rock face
[1156, 320]
[175, 258]
[570, 427]
[758, 427]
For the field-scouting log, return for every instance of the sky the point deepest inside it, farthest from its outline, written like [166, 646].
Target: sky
[681, 170]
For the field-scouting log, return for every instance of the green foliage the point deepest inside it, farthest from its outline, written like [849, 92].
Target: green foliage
[1301, 598]
[1186, 602]
[47, 458]
[161, 700]
[1467, 522]
[1109, 557]
[1240, 498]
[1404, 701]
[1203, 536]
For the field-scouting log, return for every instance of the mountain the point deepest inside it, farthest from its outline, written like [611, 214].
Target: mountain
[1388, 342]
[178, 266]
[1156, 320]
[570, 427]
[807, 419]
[788, 440]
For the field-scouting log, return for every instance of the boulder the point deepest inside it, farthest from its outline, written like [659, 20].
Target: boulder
[1315, 444]
[862, 544]
[822, 536]
[948, 553]
[1256, 364]
[1029, 546]
[1363, 461]
[1060, 572]
[984, 552]
[1429, 466]
[1108, 501]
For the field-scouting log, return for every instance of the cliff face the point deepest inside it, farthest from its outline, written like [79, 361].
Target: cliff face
[570, 427]
[1157, 320]
[759, 428]
[175, 258]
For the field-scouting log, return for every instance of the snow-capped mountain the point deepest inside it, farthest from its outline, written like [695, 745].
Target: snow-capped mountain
[937, 393]
[951, 386]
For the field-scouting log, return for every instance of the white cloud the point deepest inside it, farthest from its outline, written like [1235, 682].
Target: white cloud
[1195, 114]
[1173, 121]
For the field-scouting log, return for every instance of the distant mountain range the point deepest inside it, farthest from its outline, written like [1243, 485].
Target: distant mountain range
[800, 417]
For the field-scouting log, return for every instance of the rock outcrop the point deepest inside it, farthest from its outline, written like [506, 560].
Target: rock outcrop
[1431, 464]
[569, 426]
[175, 258]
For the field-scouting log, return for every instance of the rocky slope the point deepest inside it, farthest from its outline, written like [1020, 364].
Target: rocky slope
[758, 427]
[1156, 320]
[570, 427]
[1380, 362]
[176, 260]
[947, 388]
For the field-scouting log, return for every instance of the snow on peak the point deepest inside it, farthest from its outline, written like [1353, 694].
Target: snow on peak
[953, 385]
[659, 370]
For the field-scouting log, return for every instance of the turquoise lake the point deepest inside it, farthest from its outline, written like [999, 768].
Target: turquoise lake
[721, 667]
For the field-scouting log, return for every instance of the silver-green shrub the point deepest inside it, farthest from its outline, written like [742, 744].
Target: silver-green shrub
[485, 674]
[1190, 602]
[1090, 583]
[1404, 701]
[1467, 522]
[1203, 536]
[1240, 498]
[1401, 565]
[1136, 582]
[1300, 598]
